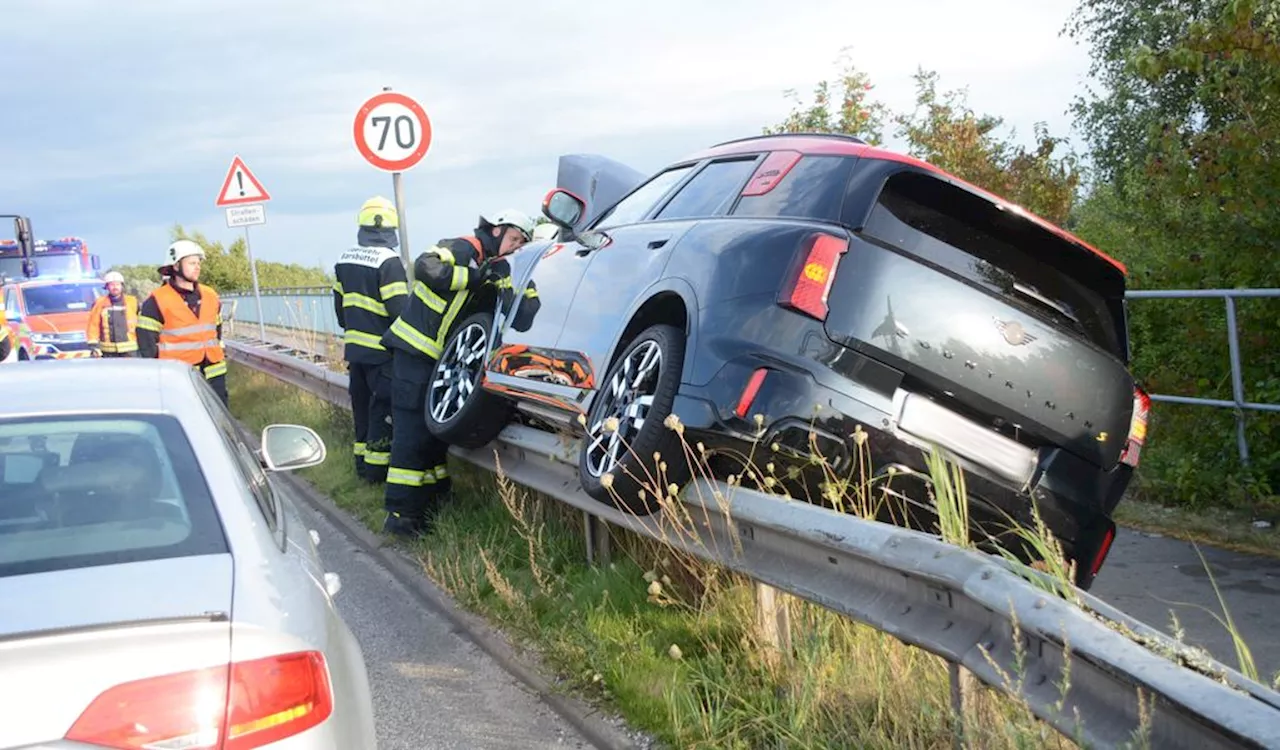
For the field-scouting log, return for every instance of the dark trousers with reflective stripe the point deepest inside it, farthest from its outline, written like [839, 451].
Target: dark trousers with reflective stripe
[370, 388]
[215, 374]
[419, 474]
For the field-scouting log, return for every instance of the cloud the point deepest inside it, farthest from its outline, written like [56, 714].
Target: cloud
[131, 113]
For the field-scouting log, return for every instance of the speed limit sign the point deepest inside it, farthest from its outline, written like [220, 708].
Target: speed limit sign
[392, 131]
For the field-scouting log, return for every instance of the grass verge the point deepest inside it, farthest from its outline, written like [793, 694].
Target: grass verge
[1228, 528]
[667, 641]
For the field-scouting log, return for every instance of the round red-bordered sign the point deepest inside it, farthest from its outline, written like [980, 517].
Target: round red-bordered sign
[392, 131]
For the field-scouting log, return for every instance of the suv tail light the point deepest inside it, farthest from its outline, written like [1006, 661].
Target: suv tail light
[1137, 428]
[807, 289]
[237, 707]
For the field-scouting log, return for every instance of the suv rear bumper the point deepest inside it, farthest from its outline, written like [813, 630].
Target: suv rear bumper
[1002, 477]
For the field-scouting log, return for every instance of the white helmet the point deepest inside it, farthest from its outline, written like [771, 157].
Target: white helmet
[183, 249]
[512, 217]
[111, 276]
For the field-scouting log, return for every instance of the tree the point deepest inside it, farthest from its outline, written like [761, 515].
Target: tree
[856, 116]
[1183, 131]
[946, 132]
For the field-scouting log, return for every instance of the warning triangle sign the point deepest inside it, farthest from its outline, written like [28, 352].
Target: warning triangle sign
[240, 186]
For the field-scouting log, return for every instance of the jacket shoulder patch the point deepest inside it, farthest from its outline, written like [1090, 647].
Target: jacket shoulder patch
[370, 257]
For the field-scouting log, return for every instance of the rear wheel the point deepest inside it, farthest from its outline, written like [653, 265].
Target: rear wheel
[625, 425]
[458, 410]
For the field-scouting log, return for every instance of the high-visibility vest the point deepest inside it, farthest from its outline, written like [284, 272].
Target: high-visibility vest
[183, 336]
[99, 329]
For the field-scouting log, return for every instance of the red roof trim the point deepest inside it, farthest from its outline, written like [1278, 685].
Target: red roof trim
[835, 146]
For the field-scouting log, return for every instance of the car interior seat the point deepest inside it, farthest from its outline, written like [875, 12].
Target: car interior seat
[111, 477]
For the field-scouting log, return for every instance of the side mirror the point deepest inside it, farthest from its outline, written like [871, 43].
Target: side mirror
[97, 262]
[29, 268]
[286, 447]
[563, 208]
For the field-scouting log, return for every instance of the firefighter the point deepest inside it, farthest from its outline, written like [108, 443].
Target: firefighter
[444, 276]
[112, 329]
[182, 318]
[368, 293]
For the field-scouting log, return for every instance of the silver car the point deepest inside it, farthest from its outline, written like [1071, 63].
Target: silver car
[155, 591]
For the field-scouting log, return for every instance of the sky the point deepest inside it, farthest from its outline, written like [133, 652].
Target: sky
[122, 118]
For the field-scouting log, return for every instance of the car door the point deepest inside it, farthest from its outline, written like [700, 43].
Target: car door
[620, 274]
[528, 362]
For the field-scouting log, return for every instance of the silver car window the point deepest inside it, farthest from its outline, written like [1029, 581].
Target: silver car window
[95, 490]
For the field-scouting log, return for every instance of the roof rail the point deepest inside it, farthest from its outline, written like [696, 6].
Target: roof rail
[840, 136]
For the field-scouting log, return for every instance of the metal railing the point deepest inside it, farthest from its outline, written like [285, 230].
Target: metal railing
[1238, 403]
[969, 608]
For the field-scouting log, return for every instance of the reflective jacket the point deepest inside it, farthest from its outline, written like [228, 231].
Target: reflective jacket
[113, 327]
[444, 277]
[183, 325]
[369, 292]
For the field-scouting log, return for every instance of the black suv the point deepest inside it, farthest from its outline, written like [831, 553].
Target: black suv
[778, 295]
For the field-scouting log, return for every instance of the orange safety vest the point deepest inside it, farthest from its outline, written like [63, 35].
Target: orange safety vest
[99, 328]
[184, 336]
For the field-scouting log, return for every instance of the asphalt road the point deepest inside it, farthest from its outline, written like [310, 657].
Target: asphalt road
[432, 688]
[1148, 576]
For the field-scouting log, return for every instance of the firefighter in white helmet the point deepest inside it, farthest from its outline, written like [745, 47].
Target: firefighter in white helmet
[112, 328]
[182, 318]
[444, 278]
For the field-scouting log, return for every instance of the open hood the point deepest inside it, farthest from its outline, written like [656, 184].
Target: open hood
[598, 180]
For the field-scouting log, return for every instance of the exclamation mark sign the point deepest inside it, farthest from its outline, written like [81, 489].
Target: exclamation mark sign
[240, 181]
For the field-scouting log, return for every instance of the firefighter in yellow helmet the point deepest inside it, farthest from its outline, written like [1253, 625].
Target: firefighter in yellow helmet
[369, 290]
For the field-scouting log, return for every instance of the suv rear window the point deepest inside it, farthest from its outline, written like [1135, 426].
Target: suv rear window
[77, 492]
[813, 189]
[952, 228]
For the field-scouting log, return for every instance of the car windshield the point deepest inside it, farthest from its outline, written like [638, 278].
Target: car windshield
[46, 265]
[61, 298]
[85, 491]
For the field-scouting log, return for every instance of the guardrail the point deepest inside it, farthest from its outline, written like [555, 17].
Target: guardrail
[1238, 403]
[969, 608]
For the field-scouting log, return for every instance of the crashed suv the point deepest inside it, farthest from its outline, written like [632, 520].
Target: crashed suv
[780, 295]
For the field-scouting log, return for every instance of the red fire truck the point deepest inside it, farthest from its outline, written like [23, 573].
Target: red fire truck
[67, 258]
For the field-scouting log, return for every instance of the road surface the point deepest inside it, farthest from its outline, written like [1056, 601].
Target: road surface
[432, 688]
[1148, 575]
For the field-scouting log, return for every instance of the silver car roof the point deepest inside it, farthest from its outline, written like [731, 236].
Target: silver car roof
[79, 386]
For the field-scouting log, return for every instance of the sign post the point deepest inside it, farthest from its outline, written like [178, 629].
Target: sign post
[392, 132]
[242, 196]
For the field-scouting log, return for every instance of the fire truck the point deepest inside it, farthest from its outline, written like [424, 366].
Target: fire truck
[67, 258]
[46, 290]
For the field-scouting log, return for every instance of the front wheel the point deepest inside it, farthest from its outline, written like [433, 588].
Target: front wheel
[458, 410]
[625, 425]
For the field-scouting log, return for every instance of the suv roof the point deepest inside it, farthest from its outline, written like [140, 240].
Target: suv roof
[840, 144]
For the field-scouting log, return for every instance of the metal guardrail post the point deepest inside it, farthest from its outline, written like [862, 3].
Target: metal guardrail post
[1237, 380]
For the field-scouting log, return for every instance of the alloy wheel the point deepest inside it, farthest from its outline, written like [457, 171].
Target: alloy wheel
[458, 373]
[627, 398]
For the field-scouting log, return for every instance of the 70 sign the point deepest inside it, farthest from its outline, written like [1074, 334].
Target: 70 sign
[392, 131]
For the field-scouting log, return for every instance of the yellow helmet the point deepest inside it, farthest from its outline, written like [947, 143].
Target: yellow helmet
[379, 212]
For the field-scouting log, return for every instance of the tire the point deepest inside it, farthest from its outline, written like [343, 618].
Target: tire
[482, 415]
[634, 469]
